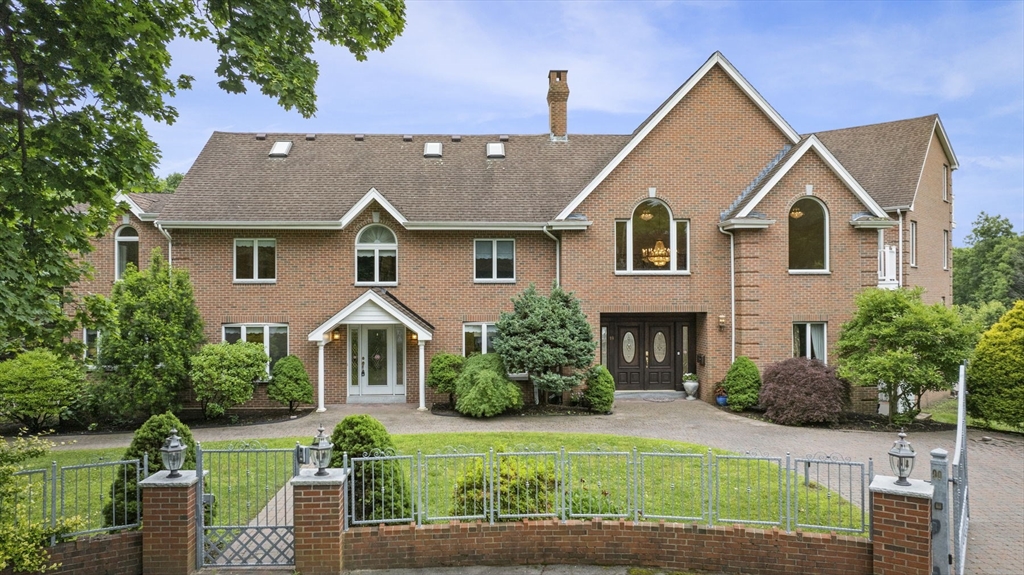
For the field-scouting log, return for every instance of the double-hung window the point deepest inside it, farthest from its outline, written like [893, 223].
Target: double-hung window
[273, 338]
[478, 338]
[651, 241]
[809, 340]
[495, 260]
[376, 256]
[256, 260]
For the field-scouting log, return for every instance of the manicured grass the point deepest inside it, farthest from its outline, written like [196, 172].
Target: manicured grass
[945, 411]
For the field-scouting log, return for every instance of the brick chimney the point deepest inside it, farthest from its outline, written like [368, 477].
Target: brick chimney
[558, 94]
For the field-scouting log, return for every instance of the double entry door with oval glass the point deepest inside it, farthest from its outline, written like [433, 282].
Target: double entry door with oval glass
[376, 360]
[649, 353]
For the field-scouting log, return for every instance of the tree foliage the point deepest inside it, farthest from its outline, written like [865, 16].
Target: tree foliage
[78, 78]
[742, 384]
[991, 267]
[157, 331]
[444, 370]
[38, 386]
[995, 377]
[223, 374]
[380, 488]
[549, 337]
[289, 382]
[896, 341]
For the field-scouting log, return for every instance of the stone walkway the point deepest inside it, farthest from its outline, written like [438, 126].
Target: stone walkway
[996, 544]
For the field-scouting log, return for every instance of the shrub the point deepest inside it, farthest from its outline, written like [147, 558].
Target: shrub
[527, 486]
[742, 383]
[996, 375]
[444, 370]
[289, 383]
[600, 391]
[223, 374]
[39, 386]
[799, 390]
[483, 389]
[380, 488]
[148, 439]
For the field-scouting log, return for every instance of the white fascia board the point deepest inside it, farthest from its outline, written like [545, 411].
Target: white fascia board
[371, 196]
[339, 318]
[267, 225]
[813, 143]
[733, 73]
[498, 226]
[953, 162]
[132, 206]
[745, 224]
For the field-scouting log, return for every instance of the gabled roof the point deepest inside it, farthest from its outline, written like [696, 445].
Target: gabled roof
[233, 182]
[144, 206]
[383, 300]
[888, 158]
[745, 207]
[648, 125]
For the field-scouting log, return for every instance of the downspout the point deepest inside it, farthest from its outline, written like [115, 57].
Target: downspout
[558, 256]
[732, 293]
[899, 255]
[170, 245]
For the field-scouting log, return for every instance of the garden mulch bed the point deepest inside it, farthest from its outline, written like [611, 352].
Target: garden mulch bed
[193, 418]
[448, 410]
[861, 422]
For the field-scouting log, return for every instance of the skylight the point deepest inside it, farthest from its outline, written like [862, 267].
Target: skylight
[495, 150]
[432, 150]
[280, 149]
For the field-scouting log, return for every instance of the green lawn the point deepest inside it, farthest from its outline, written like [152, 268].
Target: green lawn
[945, 411]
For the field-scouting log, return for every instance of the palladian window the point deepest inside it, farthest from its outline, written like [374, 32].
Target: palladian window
[376, 256]
[651, 241]
[808, 236]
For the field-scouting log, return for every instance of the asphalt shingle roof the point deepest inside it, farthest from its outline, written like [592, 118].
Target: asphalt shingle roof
[233, 179]
[885, 158]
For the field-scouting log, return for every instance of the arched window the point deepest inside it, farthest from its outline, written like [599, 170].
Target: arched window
[651, 241]
[127, 250]
[808, 236]
[376, 256]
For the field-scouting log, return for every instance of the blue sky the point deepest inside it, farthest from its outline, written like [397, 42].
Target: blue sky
[481, 67]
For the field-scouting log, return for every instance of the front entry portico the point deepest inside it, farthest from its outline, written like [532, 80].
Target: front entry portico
[648, 352]
[377, 326]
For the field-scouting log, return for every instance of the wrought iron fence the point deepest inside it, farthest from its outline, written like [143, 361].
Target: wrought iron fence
[960, 492]
[102, 496]
[815, 492]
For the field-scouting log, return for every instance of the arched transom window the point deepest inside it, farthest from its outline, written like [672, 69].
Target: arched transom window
[376, 256]
[651, 241]
[127, 250]
[808, 236]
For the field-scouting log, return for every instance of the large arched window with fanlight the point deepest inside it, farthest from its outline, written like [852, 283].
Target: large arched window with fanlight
[808, 236]
[127, 250]
[651, 241]
[376, 256]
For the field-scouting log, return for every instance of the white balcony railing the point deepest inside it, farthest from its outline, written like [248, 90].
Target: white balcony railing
[887, 268]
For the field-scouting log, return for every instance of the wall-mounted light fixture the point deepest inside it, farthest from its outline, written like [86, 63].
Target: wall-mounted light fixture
[336, 334]
[415, 336]
[700, 359]
[721, 322]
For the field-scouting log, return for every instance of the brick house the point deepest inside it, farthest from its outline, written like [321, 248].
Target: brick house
[713, 230]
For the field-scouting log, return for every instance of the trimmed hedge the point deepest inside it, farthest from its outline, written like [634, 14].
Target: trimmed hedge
[289, 383]
[600, 391]
[483, 389]
[444, 370]
[799, 390]
[380, 488]
[742, 384]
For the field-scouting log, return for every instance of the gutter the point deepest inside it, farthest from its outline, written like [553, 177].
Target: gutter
[732, 293]
[558, 256]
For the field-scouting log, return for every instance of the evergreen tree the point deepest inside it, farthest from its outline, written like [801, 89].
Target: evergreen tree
[995, 377]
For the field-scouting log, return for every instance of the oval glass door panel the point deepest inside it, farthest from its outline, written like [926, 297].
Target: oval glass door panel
[628, 347]
[660, 347]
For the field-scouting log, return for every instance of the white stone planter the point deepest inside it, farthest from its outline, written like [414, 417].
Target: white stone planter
[690, 387]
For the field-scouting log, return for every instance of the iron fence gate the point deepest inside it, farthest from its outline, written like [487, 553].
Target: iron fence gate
[244, 507]
[959, 492]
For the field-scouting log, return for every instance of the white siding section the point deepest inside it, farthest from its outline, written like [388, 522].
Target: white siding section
[370, 312]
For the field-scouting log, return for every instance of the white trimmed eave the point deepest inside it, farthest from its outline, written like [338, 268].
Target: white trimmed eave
[944, 139]
[258, 225]
[132, 206]
[733, 73]
[322, 333]
[372, 196]
[745, 224]
[501, 226]
[813, 143]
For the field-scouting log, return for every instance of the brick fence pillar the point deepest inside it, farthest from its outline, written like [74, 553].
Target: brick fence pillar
[901, 526]
[169, 524]
[318, 508]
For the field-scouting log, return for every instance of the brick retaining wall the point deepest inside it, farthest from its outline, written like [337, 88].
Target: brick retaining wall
[665, 545]
[114, 554]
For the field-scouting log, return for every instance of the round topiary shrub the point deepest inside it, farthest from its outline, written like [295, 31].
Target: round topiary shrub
[289, 383]
[600, 391]
[444, 370]
[120, 508]
[483, 389]
[799, 390]
[742, 384]
[995, 377]
[38, 387]
[381, 488]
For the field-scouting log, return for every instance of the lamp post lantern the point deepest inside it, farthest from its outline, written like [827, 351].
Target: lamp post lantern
[173, 454]
[320, 452]
[901, 459]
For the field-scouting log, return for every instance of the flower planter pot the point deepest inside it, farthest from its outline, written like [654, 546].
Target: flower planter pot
[690, 386]
[722, 400]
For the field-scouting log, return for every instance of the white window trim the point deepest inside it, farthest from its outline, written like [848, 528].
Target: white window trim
[376, 258]
[945, 182]
[808, 342]
[90, 365]
[255, 261]
[913, 244]
[945, 249]
[117, 248]
[672, 271]
[494, 279]
[266, 336]
[483, 338]
[827, 270]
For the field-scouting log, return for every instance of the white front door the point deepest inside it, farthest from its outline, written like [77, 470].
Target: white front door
[373, 359]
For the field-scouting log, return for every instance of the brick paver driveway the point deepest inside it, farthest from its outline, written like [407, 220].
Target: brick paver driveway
[996, 467]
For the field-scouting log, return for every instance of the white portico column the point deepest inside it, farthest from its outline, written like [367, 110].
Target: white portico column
[423, 387]
[320, 376]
